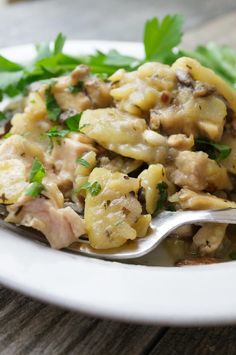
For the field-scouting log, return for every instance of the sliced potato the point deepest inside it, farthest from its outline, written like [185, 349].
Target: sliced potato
[149, 179]
[124, 134]
[112, 217]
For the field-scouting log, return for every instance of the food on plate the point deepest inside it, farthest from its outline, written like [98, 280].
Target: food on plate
[95, 152]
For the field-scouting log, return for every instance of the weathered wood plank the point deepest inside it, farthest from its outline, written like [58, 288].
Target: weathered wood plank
[196, 341]
[31, 327]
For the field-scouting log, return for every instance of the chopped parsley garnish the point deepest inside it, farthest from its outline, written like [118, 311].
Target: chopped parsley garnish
[73, 122]
[214, 150]
[83, 162]
[59, 44]
[36, 176]
[163, 202]
[76, 88]
[53, 109]
[7, 135]
[57, 132]
[34, 189]
[37, 172]
[94, 188]
[2, 116]
[160, 37]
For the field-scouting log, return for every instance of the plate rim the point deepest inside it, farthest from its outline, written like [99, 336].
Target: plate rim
[175, 305]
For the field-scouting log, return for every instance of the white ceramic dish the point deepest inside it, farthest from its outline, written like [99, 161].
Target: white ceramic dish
[145, 294]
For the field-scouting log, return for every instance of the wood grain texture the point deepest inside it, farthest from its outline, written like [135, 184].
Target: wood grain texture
[31, 327]
[197, 341]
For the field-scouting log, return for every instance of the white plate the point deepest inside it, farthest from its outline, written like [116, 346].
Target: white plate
[146, 294]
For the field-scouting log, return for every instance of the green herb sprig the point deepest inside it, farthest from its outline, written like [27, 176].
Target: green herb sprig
[163, 202]
[214, 150]
[83, 162]
[37, 174]
[94, 188]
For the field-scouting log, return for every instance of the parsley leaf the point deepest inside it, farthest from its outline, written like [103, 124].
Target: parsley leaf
[52, 106]
[163, 191]
[160, 37]
[59, 43]
[2, 116]
[36, 176]
[94, 188]
[55, 132]
[214, 150]
[163, 202]
[9, 66]
[73, 89]
[83, 162]
[73, 122]
[37, 172]
[34, 189]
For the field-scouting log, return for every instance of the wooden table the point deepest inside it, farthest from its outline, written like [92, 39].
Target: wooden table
[31, 327]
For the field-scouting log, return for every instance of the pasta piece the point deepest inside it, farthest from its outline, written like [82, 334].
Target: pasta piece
[112, 217]
[124, 134]
[139, 91]
[209, 237]
[13, 180]
[190, 200]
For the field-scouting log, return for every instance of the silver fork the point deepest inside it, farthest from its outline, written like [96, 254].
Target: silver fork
[162, 225]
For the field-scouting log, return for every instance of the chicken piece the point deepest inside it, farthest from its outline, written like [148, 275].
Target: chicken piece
[209, 237]
[194, 170]
[63, 157]
[81, 91]
[61, 226]
[18, 147]
[190, 200]
[113, 215]
[124, 134]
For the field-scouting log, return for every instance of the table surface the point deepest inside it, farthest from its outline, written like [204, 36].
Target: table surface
[31, 327]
